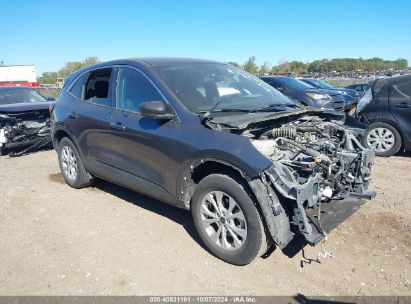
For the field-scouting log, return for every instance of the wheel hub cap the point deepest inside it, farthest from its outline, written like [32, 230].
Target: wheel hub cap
[380, 139]
[69, 163]
[223, 220]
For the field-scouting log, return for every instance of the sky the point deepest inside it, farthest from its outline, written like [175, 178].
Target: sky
[50, 33]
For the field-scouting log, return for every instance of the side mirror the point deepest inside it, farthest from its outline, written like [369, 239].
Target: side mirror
[51, 99]
[156, 110]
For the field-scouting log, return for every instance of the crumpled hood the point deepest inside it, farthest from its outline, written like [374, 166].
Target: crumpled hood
[242, 121]
[22, 107]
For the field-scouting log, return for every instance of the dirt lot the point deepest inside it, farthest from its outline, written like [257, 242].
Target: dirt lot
[105, 240]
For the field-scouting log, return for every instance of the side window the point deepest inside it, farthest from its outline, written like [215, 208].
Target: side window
[97, 87]
[133, 89]
[77, 89]
[404, 89]
[274, 84]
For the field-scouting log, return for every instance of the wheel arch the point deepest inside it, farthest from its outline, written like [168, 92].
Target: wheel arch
[197, 170]
[59, 134]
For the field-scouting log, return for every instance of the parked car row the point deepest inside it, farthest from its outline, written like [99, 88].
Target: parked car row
[307, 94]
[315, 92]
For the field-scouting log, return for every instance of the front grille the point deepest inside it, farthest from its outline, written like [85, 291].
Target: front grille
[339, 105]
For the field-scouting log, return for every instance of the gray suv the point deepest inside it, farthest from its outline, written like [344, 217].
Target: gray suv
[254, 168]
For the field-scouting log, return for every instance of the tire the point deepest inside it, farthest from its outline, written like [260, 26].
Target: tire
[71, 165]
[249, 231]
[384, 138]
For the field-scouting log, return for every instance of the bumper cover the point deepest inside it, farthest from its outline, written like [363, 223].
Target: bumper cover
[332, 214]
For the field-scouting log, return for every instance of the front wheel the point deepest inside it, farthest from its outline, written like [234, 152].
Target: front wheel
[227, 219]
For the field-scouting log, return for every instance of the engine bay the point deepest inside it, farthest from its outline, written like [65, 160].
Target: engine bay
[315, 161]
[312, 147]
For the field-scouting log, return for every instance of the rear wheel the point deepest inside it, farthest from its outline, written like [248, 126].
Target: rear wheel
[227, 220]
[383, 138]
[71, 165]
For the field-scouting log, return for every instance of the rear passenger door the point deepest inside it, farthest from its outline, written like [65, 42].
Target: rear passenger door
[400, 105]
[139, 144]
[89, 120]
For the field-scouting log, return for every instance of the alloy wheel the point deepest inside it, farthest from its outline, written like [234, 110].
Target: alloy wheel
[223, 220]
[69, 163]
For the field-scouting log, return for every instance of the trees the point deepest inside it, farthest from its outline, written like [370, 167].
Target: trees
[233, 63]
[70, 67]
[73, 66]
[251, 66]
[350, 64]
[264, 69]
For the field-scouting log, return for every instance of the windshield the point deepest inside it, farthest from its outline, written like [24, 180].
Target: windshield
[292, 83]
[321, 84]
[205, 86]
[13, 95]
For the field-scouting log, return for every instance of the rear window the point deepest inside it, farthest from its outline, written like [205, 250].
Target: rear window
[77, 89]
[94, 87]
[288, 82]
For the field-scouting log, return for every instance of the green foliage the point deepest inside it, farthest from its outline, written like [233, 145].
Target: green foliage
[264, 69]
[324, 65]
[360, 64]
[251, 66]
[70, 67]
[233, 63]
[73, 66]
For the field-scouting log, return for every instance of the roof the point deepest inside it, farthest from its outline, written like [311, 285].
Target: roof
[154, 61]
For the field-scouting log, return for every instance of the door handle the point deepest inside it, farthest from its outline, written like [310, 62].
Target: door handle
[73, 115]
[117, 126]
[402, 105]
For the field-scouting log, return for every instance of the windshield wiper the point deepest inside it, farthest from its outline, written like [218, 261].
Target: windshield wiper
[274, 107]
[205, 115]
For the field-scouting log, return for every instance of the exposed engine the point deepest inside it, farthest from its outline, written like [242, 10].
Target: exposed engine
[313, 147]
[314, 161]
[24, 132]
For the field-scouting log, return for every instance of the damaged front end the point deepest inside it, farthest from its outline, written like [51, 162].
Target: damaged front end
[24, 131]
[320, 169]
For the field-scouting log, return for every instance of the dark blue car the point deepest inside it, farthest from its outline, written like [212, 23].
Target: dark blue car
[351, 96]
[306, 94]
[253, 167]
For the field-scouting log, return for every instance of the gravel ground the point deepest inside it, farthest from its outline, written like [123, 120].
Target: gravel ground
[106, 240]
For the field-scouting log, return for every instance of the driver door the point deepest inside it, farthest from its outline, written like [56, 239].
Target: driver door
[143, 150]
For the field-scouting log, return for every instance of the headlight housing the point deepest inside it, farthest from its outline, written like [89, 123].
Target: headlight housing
[318, 96]
[364, 100]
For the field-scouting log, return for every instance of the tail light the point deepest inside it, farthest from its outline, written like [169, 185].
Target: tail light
[364, 100]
